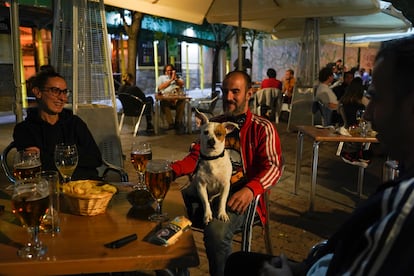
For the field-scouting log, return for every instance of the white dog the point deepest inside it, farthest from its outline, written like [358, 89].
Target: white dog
[212, 177]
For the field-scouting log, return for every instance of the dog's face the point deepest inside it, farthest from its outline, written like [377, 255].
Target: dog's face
[212, 137]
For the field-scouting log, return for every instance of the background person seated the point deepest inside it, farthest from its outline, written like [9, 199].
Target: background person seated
[129, 88]
[168, 83]
[271, 81]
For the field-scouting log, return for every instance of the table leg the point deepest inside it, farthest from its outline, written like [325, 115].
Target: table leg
[157, 117]
[314, 172]
[299, 149]
[189, 117]
[361, 172]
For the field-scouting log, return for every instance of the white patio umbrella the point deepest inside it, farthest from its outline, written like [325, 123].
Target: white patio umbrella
[370, 40]
[221, 11]
[386, 20]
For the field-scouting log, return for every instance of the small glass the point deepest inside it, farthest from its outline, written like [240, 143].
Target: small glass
[66, 160]
[141, 153]
[50, 221]
[30, 200]
[158, 178]
[362, 123]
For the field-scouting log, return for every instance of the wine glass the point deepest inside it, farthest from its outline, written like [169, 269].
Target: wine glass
[362, 124]
[141, 153]
[158, 177]
[26, 165]
[30, 200]
[66, 160]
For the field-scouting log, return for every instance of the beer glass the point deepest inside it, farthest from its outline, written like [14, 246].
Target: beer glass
[26, 165]
[50, 221]
[66, 160]
[158, 177]
[141, 153]
[30, 199]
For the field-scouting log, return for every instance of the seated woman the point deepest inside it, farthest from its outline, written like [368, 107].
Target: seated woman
[50, 124]
[350, 103]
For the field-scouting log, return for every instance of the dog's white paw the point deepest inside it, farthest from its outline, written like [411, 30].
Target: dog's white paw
[208, 216]
[223, 217]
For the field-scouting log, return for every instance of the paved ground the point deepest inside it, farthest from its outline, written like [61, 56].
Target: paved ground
[294, 228]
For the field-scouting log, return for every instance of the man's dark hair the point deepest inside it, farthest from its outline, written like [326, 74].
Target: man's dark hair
[325, 73]
[41, 78]
[271, 73]
[168, 65]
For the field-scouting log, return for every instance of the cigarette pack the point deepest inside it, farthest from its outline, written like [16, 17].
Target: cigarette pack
[170, 233]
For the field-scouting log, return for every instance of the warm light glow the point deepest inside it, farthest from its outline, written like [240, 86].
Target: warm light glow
[189, 32]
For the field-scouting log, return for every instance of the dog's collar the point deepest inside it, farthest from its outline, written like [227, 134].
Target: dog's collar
[205, 157]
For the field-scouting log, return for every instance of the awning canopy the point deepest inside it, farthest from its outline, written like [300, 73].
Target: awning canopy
[220, 11]
[387, 19]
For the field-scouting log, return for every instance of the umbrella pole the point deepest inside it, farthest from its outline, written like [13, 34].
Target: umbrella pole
[343, 52]
[239, 36]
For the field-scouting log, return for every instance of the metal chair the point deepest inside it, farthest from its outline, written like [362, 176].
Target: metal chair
[133, 107]
[252, 220]
[105, 132]
[324, 111]
[207, 106]
[271, 98]
[6, 160]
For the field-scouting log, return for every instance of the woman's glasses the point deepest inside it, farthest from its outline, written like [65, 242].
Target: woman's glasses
[56, 91]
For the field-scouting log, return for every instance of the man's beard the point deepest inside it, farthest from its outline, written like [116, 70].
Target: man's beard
[239, 109]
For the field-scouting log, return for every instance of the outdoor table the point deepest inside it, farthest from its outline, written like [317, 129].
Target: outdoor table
[172, 97]
[323, 135]
[79, 247]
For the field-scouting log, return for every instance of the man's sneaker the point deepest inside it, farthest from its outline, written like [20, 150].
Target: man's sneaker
[365, 156]
[350, 158]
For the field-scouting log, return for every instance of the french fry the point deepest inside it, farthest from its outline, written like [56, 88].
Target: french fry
[86, 188]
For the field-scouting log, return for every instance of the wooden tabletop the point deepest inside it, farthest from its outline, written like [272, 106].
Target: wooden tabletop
[330, 135]
[79, 248]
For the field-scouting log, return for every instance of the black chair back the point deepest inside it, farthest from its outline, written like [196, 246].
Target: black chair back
[131, 105]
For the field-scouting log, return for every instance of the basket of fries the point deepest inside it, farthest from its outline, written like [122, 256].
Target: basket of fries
[87, 197]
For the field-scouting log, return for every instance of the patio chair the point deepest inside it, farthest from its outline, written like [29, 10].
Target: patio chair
[104, 131]
[207, 106]
[132, 107]
[325, 113]
[6, 160]
[268, 98]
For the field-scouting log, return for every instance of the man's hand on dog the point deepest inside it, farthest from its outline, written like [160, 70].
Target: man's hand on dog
[239, 201]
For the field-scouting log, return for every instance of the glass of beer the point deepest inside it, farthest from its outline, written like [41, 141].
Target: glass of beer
[30, 200]
[26, 165]
[158, 177]
[141, 153]
[66, 160]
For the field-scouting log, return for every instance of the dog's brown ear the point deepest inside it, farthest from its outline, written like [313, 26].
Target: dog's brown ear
[201, 118]
[230, 126]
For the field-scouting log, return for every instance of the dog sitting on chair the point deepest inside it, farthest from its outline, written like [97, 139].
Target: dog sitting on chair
[214, 169]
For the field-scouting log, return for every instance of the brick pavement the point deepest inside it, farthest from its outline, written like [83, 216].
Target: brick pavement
[294, 228]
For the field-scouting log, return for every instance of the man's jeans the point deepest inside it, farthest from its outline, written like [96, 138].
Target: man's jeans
[218, 235]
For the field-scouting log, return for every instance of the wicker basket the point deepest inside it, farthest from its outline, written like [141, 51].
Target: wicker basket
[90, 205]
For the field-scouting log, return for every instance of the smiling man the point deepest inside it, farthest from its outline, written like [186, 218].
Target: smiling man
[50, 124]
[255, 154]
